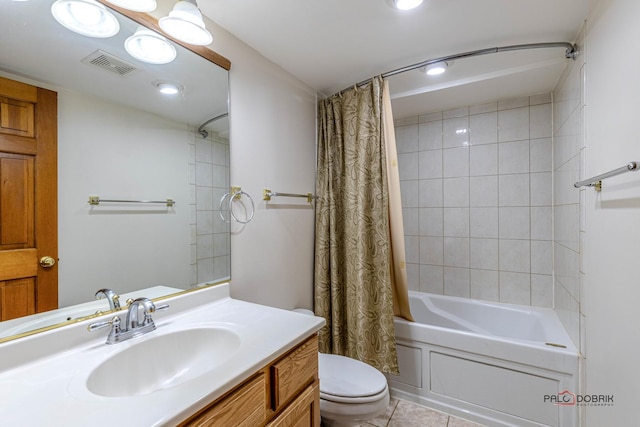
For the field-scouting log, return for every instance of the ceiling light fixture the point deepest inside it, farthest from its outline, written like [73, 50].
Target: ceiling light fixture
[185, 24]
[167, 88]
[150, 47]
[406, 4]
[435, 69]
[86, 17]
[136, 5]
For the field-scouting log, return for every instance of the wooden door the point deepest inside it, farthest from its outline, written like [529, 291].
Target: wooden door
[28, 199]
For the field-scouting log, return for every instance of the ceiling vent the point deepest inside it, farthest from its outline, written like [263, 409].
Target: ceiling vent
[111, 63]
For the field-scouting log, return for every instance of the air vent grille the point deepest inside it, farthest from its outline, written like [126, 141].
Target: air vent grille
[111, 63]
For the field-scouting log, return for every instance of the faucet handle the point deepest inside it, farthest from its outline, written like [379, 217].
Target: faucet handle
[152, 309]
[115, 328]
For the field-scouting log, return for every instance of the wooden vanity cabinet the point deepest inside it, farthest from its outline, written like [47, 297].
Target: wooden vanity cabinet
[285, 393]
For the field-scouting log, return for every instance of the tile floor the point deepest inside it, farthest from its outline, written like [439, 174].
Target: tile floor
[401, 413]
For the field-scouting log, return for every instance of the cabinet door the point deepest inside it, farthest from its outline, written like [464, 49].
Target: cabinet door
[294, 372]
[303, 411]
[245, 407]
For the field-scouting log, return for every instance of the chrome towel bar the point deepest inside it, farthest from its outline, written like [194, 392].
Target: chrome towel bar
[96, 200]
[268, 194]
[596, 181]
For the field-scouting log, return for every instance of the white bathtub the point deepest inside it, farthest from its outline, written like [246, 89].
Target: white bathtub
[490, 362]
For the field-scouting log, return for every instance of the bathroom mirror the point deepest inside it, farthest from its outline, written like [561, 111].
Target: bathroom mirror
[119, 138]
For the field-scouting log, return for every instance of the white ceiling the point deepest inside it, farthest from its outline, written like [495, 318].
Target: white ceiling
[332, 44]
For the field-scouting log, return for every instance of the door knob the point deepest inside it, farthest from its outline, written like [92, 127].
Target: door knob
[47, 262]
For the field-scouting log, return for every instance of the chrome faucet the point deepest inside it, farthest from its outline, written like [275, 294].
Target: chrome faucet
[133, 327]
[112, 297]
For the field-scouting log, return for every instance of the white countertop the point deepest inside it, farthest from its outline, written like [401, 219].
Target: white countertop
[42, 377]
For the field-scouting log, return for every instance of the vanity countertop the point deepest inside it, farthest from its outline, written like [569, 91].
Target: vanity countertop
[43, 377]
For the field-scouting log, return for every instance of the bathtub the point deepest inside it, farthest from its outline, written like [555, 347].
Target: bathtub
[497, 364]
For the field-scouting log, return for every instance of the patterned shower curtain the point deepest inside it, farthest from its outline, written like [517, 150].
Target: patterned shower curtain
[354, 273]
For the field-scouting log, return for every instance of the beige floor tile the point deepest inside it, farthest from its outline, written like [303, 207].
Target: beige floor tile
[383, 419]
[410, 415]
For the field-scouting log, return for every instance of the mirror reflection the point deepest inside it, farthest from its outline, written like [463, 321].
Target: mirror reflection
[120, 138]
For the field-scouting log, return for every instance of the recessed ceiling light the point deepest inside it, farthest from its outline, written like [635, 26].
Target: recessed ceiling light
[406, 4]
[86, 17]
[435, 69]
[167, 88]
[150, 47]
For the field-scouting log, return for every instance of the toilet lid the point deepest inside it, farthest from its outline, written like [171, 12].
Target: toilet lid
[346, 377]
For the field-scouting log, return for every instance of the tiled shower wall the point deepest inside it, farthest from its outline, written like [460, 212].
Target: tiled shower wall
[476, 188]
[209, 180]
[569, 232]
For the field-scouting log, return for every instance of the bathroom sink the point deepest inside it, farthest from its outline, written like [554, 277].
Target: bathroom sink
[163, 361]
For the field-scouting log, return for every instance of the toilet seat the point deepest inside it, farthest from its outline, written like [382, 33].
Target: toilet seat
[347, 380]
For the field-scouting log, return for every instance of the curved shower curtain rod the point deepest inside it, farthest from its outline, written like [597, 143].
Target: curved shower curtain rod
[571, 52]
[203, 132]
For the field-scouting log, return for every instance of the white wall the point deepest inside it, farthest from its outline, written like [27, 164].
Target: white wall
[120, 153]
[612, 254]
[272, 146]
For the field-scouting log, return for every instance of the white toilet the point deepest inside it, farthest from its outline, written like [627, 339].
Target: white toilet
[351, 391]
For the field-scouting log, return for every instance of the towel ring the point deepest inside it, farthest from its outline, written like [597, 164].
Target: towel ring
[236, 193]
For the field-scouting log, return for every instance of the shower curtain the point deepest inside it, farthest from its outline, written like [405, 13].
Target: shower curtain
[357, 283]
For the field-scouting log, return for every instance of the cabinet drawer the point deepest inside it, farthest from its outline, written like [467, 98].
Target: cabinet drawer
[295, 371]
[246, 407]
[302, 412]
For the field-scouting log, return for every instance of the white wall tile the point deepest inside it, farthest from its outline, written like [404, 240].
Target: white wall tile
[456, 252]
[456, 282]
[515, 255]
[408, 166]
[431, 222]
[541, 257]
[513, 125]
[456, 192]
[410, 193]
[540, 155]
[541, 222]
[514, 223]
[407, 138]
[541, 189]
[483, 191]
[505, 104]
[430, 117]
[204, 174]
[430, 135]
[457, 112]
[432, 279]
[483, 254]
[515, 288]
[455, 162]
[430, 164]
[431, 191]
[483, 128]
[542, 290]
[412, 249]
[413, 277]
[456, 222]
[483, 108]
[410, 221]
[513, 157]
[204, 151]
[483, 222]
[455, 132]
[513, 190]
[485, 285]
[432, 250]
[540, 126]
[483, 160]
